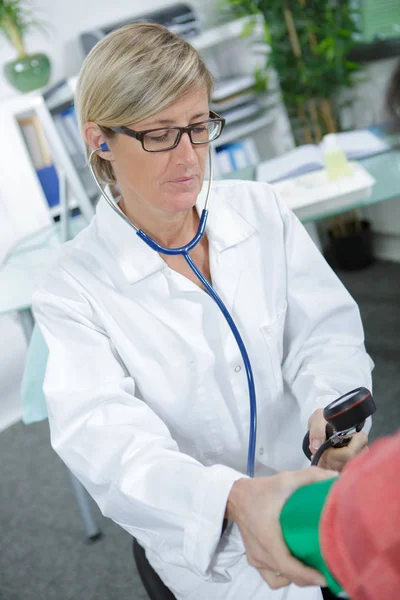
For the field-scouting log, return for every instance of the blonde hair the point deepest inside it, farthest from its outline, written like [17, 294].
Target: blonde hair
[132, 74]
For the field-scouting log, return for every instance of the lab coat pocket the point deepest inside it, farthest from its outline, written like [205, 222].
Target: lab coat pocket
[272, 333]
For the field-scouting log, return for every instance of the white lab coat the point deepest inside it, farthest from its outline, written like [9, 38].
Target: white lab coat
[146, 390]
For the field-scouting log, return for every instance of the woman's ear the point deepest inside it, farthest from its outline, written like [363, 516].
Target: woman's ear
[96, 139]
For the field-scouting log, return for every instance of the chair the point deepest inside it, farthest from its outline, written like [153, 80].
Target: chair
[152, 583]
[34, 410]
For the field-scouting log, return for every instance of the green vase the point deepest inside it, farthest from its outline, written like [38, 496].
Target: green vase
[28, 73]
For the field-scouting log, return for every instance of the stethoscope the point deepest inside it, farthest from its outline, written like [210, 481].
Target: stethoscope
[184, 251]
[345, 416]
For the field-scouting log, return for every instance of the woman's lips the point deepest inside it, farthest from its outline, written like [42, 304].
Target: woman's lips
[183, 181]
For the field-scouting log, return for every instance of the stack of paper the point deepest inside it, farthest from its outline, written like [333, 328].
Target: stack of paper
[356, 144]
[359, 144]
[314, 195]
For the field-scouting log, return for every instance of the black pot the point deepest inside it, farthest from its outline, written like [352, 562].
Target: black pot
[353, 251]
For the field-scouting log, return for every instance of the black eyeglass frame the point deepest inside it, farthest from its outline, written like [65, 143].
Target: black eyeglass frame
[139, 135]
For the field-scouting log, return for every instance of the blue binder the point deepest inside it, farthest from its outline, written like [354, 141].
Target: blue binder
[49, 181]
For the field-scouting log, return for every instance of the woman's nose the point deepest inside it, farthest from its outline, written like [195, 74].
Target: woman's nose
[185, 151]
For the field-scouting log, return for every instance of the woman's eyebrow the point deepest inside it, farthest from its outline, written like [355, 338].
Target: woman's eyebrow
[202, 115]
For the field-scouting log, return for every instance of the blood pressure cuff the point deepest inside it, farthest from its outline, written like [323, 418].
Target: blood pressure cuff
[300, 522]
[359, 528]
[348, 527]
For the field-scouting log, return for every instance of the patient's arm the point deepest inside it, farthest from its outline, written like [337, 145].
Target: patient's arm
[347, 528]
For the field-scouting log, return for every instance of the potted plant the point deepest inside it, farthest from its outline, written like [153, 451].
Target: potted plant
[351, 242]
[310, 42]
[28, 71]
[309, 46]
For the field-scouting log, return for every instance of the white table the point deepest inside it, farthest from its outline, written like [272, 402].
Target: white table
[384, 169]
[22, 268]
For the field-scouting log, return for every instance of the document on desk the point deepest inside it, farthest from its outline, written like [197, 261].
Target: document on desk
[314, 195]
[309, 157]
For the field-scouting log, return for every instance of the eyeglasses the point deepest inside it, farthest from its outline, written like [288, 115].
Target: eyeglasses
[166, 138]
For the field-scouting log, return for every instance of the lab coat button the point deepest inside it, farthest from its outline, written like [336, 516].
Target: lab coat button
[261, 451]
[238, 368]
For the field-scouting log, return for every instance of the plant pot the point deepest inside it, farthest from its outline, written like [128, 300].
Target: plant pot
[28, 73]
[353, 251]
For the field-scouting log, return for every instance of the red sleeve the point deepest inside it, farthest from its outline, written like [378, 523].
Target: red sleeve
[360, 525]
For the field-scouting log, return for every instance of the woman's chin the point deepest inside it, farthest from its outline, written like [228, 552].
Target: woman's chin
[180, 198]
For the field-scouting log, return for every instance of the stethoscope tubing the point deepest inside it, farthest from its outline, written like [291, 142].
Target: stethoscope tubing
[246, 361]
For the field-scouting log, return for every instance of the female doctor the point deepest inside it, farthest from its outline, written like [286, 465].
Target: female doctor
[146, 389]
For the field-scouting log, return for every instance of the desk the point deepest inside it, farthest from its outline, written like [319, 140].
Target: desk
[384, 168]
[24, 265]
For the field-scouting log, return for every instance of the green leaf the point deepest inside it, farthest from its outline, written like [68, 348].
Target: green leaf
[249, 27]
[260, 80]
[267, 34]
[351, 65]
[14, 15]
[325, 30]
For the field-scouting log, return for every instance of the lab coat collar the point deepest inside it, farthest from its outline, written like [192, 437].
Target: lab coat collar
[225, 228]
[136, 260]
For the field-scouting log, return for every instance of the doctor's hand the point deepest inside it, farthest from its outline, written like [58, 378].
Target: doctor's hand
[333, 458]
[255, 505]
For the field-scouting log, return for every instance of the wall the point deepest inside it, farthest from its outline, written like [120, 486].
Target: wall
[66, 20]
[370, 108]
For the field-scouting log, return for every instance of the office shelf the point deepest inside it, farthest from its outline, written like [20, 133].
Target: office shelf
[243, 129]
[55, 210]
[223, 33]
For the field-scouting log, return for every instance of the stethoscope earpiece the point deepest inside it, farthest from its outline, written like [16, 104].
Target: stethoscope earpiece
[104, 147]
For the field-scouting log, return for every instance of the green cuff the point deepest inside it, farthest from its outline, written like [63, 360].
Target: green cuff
[300, 519]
